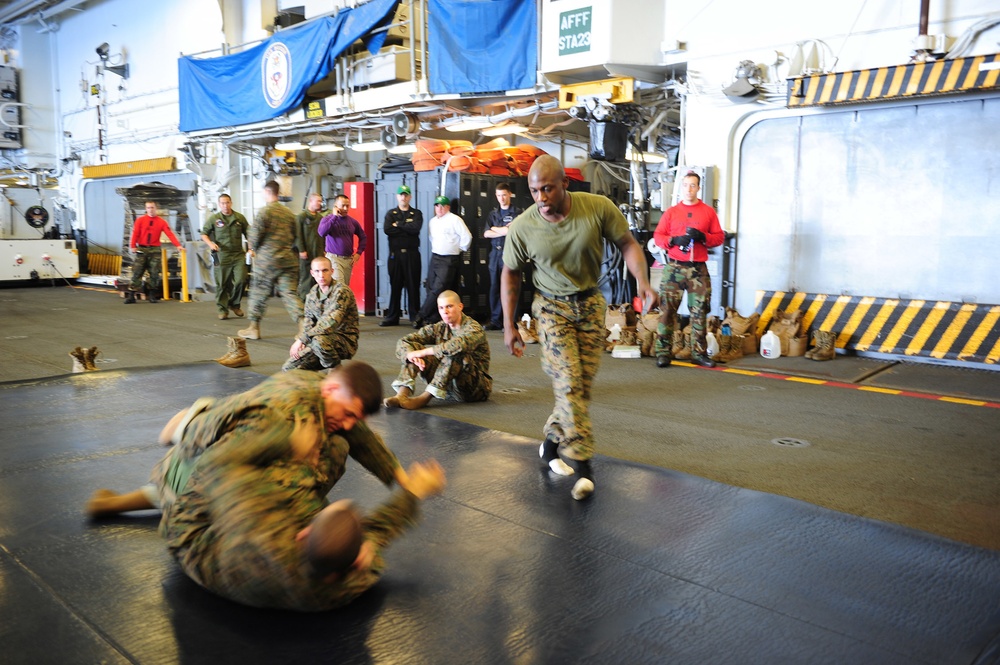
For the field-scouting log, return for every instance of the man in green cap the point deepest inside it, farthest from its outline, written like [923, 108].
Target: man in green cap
[449, 237]
[402, 227]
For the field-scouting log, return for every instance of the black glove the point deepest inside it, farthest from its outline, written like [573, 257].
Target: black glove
[695, 234]
[679, 241]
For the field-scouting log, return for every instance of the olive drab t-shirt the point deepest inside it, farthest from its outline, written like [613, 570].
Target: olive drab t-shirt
[567, 255]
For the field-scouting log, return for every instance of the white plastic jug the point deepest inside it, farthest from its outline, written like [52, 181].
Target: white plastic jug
[616, 333]
[770, 345]
[711, 345]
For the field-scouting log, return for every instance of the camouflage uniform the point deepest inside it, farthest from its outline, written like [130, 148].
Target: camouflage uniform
[227, 232]
[147, 260]
[268, 412]
[459, 368]
[572, 337]
[568, 308]
[275, 263]
[678, 278]
[308, 240]
[330, 333]
[233, 531]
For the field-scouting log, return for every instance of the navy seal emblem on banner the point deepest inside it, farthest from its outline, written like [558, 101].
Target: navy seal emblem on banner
[276, 68]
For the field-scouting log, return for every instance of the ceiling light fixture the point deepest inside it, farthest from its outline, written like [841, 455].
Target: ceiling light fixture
[290, 146]
[648, 157]
[503, 130]
[469, 125]
[367, 146]
[325, 147]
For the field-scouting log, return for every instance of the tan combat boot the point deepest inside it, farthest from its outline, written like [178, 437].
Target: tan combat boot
[724, 342]
[677, 343]
[683, 352]
[647, 340]
[730, 348]
[231, 342]
[252, 331]
[89, 355]
[825, 346]
[736, 343]
[238, 357]
[79, 361]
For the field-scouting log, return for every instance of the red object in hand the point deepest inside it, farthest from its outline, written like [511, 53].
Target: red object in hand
[637, 304]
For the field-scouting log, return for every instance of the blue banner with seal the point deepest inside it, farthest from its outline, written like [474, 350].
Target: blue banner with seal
[271, 78]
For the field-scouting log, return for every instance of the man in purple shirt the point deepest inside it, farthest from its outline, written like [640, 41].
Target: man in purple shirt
[339, 230]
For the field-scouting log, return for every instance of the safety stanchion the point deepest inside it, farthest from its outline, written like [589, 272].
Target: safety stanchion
[185, 294]
[165, 277]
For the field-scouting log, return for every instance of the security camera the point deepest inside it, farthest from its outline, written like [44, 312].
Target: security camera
[103, 50]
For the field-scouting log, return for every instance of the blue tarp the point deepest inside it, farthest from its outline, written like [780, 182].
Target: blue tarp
[270, 79]
[479, 46]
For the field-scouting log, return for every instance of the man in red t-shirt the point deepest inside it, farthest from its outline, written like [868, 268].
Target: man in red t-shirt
[145, 245]
[686, 231]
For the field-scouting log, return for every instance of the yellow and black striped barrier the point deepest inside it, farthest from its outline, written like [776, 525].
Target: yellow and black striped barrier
[918, 79]
[922, 328]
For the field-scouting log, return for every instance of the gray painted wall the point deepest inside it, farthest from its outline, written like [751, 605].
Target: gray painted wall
[884, 201]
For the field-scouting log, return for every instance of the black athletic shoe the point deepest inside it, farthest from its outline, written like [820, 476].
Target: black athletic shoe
[387, 322]
[549, 452]
[663, 361]
[493, 326]
[704, 361]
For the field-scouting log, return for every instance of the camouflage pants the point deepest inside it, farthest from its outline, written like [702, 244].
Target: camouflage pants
[306, 281]
[189, 441]
[323, 352]
[454, 377]
[265, 278]
[678, 278]
[230, 284]
[571, 335]
[147, 259]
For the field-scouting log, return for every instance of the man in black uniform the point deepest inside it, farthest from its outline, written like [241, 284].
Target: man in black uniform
[495, 230]
[402, 226]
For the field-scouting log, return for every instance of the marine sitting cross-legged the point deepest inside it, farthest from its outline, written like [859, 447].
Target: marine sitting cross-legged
[452, 355]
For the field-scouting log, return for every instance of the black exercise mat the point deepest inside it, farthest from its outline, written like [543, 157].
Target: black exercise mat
[657, 567]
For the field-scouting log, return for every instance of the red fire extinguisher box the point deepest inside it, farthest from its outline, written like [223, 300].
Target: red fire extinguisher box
[362, 196]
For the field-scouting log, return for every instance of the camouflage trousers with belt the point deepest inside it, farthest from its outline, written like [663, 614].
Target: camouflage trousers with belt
[678, 278]
[147, 260]
[572, 339]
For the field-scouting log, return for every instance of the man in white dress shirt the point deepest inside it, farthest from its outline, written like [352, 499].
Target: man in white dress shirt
[449, 237]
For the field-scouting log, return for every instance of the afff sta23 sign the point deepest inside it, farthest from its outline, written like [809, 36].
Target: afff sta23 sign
[574, 31]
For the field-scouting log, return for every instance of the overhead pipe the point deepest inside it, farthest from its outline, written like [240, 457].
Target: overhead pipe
[21, 7]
